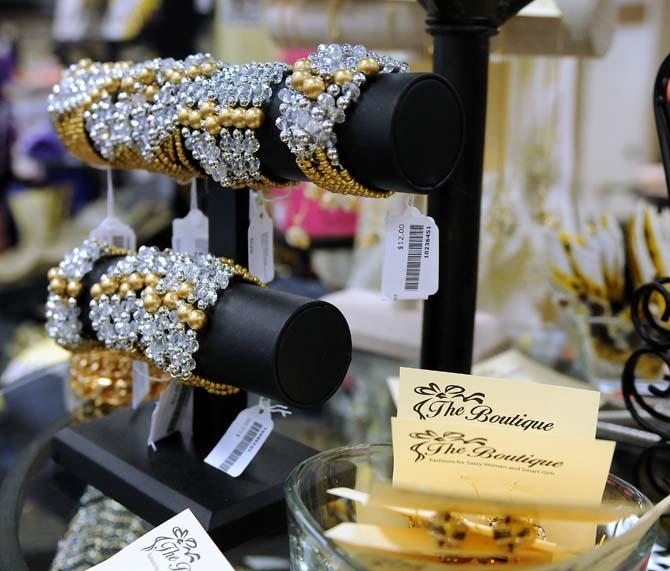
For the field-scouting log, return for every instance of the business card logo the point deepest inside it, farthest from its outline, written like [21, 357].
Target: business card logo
[177, 550]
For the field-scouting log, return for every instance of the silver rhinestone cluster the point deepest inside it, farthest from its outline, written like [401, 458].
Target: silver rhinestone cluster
[62, 312]
[229, 158]
[306, 124]
[124, 323]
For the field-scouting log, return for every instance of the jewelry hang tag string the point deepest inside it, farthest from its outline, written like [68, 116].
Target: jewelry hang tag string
[245, 437]
[112, 230]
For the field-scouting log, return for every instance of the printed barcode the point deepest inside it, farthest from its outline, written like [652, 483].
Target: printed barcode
[242, 446]
[414, 251]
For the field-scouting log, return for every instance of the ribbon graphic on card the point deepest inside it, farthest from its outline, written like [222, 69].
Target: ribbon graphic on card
[179, 544]
[517, 405]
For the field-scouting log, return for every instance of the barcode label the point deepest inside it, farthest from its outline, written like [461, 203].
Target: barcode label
[241, 442]
[249, 437]
[414, 252]
[411, 256]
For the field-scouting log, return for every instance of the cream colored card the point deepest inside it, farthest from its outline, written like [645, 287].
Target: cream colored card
[488, 462]
[522, 407]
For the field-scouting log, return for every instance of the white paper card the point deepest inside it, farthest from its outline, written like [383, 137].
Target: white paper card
[410, 268]
[179, 544]
[242, 441]
[260, 240]
[140, 382]
[168, 411]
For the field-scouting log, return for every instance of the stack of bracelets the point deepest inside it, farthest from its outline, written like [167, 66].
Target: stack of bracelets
[149, 305]
[198, 117]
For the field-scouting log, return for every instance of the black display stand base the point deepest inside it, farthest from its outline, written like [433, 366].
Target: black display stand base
[111, 454]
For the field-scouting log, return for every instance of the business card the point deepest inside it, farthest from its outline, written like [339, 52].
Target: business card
[481, 402]
[179, 544]
[467, 459]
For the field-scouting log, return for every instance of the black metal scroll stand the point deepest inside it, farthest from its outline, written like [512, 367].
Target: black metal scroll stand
[652, 470]
[462, 32]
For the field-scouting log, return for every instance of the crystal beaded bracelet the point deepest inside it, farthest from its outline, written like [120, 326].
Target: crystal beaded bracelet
[150, 305]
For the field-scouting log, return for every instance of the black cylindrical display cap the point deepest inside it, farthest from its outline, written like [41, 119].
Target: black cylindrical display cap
[404, 134]
[286, 347]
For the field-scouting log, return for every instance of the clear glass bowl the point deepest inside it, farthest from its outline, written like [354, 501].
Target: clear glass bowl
[310, 510]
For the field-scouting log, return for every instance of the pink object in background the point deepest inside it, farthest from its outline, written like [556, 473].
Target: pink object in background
[317, 222]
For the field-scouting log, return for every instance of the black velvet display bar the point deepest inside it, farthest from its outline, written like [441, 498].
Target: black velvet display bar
[286, 347]
[404, 134]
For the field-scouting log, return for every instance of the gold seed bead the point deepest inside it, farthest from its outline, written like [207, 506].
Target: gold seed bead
[136, 281]
[58, 285]
[239, 118]
[147, 75]
[313, 87]
[52, 273]
[96, 291]
[127, 83]
[207, 108]
[301, 65]
[95, 94]
[151, 302]
[193, 71]
[170, 299]
[152, 279]
[342, 76]
[183, 311]
[196, 319]
[184, 116]
[149, 290]
[254, 118]
[151, 91]
[368, 66]
[74, 288]
[207, 68]
[226, 117]
[124, 289]
[213, 125]
[185, 289]
[298, 79]
[108, 285]
[194, 119]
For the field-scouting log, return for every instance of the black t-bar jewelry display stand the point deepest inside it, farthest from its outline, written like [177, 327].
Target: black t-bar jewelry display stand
[405, 134]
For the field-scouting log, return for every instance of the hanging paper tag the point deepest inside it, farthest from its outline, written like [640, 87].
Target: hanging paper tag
[244, 438]
[140, 382]
[260, 240]
[169, 410]
[112, 230]
[411, 256]
[191, 233]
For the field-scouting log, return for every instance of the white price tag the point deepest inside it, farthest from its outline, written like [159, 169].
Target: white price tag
[244, 438]
[191, 233]
[260, 240]
[140, 382]
[112, 230]
[168, 412]
[411, 256]
[179, 544]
